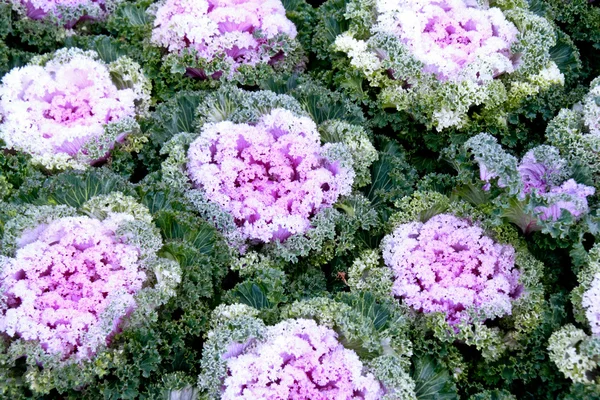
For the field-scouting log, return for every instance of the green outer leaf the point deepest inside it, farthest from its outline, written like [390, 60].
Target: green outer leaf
[391, 175]
[137, 16]
[74, 189]
[181, 226]
[251, 294]
[432, 381]
[368, 306]
[108, 49]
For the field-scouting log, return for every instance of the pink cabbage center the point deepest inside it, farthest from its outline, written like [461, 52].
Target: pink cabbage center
[447, 265]
[448, 35]
[272, 176]
[62, 279]
[299, 360]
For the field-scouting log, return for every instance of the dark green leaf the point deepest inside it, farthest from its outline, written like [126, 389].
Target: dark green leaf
[565, 54]
[323, 109]
[538, 7]
[157, 200]
[74, 189]
[137, 16]
[187, 228]
[280, 85]
[183, 118]
[367, 305]
[5, 19]
[391, 175]
[108, 49]
[432, 381]
[251, 294]
[472, 194]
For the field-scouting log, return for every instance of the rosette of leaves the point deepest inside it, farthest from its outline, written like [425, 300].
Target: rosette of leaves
[345, 145]
[377, 50]
[375, 332]
[220, 40]
[79, 108]
[157, 346]
[492, 334]
[507, 352]
[177, 62]
[74, 278]
[541, 192]
[575, 132]
[392, 176]
[575, 348]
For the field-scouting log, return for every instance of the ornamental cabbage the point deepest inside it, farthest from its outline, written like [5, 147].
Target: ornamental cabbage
[449, 265]
[67, 12]
[224, 35]
[537, 190]
[453, 39]
[302, 356]
[69, 283]
[258, 172]
[63, 278]
[68, 109]
[438, 59]
[272, 176]
[542, 172]
[297, 359]
[576, 132]
[455, 270]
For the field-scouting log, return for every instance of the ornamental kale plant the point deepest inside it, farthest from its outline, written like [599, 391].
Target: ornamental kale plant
[437, 59]
[439, 261]
[257, 169]
[222, 39]
[539, 193]
[295, 358]
[65, 12]
[68, 109]
[310, 363]
[447, 265]
[454, 35]
[45, 290]
[71, 282]
[271, 176]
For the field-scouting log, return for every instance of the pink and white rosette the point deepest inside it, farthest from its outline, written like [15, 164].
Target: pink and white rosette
[448, 265]
[236, 32]
[272, 176]
[69, 285]
[299, 360]
[65, 110]
[451, 37]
